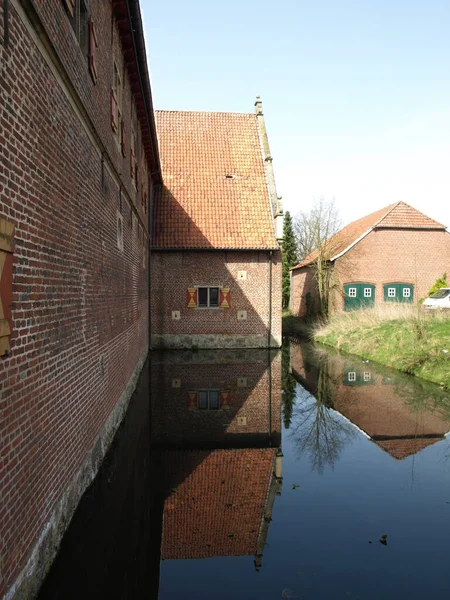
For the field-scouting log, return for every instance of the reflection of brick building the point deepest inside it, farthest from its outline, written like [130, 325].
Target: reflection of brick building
[369, 397]
[248, 383]
[220, 468]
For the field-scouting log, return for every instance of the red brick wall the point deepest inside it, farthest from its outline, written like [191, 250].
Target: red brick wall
[303, 283]
[174, 272]
[254, 411]
[384, 256]
[79, 304]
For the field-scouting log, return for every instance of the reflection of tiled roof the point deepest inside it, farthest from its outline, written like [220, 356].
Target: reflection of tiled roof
[403, 448]
[396, 216]
[218, 509]
[215, 193]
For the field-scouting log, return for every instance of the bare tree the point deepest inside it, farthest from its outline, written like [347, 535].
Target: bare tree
[314, 231]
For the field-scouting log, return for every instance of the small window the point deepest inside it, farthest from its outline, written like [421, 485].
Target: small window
[367, 292]
[367, 376]
[78, 16]
[352, 376]
[352, 292]
[391, 292]
[406, 293]
[208, 297]
[117, 92]
[208, 400]
[120, 231]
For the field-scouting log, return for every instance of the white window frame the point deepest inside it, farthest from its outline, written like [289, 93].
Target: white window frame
[208, 288]
[352, 292]
[351, 376]
[391, 292]
[367, 292]
[367, 376]
[406, 292]
[118, 95]
[208, 399]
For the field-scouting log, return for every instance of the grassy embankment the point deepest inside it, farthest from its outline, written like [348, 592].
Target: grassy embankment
[405, 338]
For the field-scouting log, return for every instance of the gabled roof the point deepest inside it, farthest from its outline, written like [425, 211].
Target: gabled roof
[215, 192]
[395, 216]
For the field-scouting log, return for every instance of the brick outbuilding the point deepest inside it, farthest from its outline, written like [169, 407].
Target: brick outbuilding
[216, 261]
[392, 255]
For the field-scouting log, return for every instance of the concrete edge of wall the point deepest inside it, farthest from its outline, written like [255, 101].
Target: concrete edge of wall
[211, 341]
[46, 548]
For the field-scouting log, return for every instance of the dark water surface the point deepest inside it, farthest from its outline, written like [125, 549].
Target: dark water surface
[263, 475]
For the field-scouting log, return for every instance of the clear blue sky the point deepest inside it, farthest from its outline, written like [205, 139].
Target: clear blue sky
[356, 94]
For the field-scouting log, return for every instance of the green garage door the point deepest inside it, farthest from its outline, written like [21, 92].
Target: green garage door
[358, 295]
[398, 292]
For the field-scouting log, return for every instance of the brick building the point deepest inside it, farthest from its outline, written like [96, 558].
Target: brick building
[393, 255]
[217, 444]
[401, 419]
[216, 261]
[78, 160]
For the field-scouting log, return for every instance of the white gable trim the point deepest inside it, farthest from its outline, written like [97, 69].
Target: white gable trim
[352, 244]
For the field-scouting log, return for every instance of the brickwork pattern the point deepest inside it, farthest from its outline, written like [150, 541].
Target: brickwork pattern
[173, 273]
[247, 380]
[80, 306]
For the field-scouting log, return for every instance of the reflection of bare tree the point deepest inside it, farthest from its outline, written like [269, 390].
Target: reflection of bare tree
[316, 428]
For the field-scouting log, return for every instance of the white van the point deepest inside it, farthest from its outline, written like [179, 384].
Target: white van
[440, 299]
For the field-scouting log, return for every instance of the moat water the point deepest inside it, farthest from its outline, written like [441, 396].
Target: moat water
[261, 475]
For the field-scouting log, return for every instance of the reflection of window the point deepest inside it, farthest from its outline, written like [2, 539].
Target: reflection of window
[367, 292]
[391, 292]
[208, 400]
[406, 293]
[352, 376]
[352, 292]
[367, 376]
[208, 296]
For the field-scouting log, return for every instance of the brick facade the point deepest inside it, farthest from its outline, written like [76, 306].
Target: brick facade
[172, 273]
[79, 311]
[413, 256]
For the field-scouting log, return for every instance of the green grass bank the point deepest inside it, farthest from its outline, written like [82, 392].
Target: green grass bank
[405, 338]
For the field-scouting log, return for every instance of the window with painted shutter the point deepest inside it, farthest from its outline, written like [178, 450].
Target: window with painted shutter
[92, 51]
[114, 113]
[6, 272]
[224, 400]
[124, 150]
[70, 6]
[191, 401]
[224, 298]
[132, 163]
[191, 297]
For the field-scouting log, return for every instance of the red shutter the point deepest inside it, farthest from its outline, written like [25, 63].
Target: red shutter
[70, 6]
[114, 113]
[224, 298]
[92, 51]
[224, 400]
[132, 163]
[191, 297]
[6, 273]
[124, 149]
[191, 400]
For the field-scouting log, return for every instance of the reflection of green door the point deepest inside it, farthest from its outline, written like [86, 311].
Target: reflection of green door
[358, 295]
[398, 292]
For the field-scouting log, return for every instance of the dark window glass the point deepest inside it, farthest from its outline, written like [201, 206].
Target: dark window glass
[203, 296]
[442, 293]
[83, 31]
[214, 400]
[202, 400]
[214, 296]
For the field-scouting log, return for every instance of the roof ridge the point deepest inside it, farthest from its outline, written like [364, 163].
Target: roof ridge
[205, 112]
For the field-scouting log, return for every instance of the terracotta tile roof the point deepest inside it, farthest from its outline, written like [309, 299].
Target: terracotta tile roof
[396, 216]
[215, 193]
[225, 493]
[403, 448]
